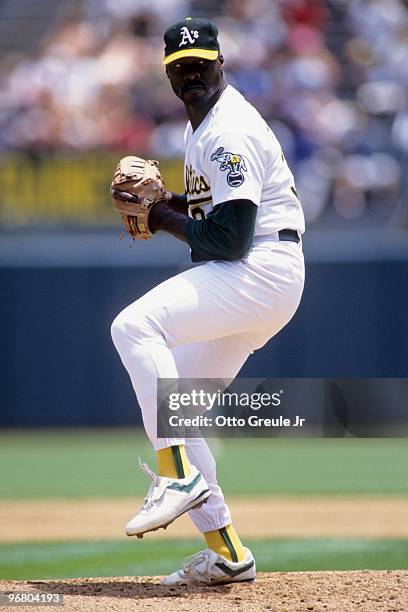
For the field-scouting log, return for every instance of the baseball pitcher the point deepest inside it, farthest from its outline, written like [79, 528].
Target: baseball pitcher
[241, 216]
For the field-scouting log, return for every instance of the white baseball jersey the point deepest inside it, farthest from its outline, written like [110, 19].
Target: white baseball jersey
[233, 154]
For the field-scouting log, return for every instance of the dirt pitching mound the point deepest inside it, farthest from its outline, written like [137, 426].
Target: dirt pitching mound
[319, 591]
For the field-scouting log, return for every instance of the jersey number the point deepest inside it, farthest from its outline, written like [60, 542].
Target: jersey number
[198, 213]
[292, 187]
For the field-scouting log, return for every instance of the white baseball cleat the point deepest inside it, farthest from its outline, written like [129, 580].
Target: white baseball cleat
[206, 567]
[166, 500]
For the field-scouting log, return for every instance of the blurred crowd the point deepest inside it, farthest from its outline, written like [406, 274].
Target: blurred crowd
[329, 76]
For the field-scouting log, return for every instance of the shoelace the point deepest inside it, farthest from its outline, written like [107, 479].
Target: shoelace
[191, 564]
[148, 500]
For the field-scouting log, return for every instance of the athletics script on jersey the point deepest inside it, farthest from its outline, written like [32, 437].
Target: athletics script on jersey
[232, 163]
[195, 183]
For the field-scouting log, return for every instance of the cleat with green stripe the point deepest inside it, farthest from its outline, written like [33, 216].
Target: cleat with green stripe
[166, 500]
[208, 568]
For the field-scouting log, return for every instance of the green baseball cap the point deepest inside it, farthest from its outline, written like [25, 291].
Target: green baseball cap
[193, 37]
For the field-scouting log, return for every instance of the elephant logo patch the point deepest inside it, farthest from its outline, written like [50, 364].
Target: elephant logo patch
[232, 163]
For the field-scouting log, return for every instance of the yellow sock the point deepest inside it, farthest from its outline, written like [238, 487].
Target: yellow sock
[173, 462]
[225, 542]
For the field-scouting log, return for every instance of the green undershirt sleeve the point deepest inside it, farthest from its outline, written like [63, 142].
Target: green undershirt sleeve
[226, 234]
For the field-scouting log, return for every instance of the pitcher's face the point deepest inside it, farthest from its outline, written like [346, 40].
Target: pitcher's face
[195, 80]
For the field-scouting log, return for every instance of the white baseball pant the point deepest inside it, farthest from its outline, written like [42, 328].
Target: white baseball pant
[204, 323]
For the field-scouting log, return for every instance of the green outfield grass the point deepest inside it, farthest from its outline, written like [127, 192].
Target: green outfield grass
[103, 463]
[117, 558]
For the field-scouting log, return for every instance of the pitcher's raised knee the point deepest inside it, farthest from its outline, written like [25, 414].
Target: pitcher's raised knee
[118, 331]
[133, 328]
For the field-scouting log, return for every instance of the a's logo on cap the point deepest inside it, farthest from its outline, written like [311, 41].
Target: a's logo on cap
[188, 37]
